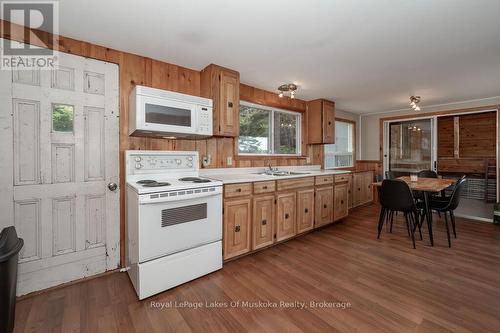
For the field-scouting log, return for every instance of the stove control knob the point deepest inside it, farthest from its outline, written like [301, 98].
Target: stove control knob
[138, 165]
[178, 161]
[189, 158]
[138, 158]
[190, 164]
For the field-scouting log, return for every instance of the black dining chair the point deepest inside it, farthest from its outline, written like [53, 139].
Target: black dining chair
[447, 205]
[427, 174]
[396, 196]
[390, 175]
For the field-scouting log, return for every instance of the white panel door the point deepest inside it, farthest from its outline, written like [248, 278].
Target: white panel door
[59, 139]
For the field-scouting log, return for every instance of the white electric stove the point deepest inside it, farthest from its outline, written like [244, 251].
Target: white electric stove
[174, 220]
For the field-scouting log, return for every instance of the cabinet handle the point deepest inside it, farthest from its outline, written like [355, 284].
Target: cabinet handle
[287, 216]
[324, 206]
[237, 228]
[329, 123]
[341, 202]
[306, 210]
[238, 190]
[264, 187]
[264, 222]
[230, 104]
[359, 188]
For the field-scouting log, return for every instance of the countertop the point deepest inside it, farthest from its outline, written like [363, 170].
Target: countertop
[244, 175]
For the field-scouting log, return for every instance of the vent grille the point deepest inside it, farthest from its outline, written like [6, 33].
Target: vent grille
[183, 214]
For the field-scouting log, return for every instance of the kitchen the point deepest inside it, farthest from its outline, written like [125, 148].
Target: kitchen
[149, 195]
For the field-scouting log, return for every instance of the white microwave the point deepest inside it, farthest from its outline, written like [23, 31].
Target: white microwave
[163, 113]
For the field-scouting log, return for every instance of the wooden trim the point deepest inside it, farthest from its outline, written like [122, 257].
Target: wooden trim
[353, 139]
[70, 283]
[429, 114]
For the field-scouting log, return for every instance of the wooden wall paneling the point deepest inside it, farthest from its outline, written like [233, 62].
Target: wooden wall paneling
[445, 136]
[225, 150]
[477, 134]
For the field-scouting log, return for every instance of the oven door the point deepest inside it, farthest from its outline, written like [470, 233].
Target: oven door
[168, 116]
[172, 226]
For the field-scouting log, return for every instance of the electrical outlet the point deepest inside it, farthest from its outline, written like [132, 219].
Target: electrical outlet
[206, 161]
[229, 160]
[308, 160]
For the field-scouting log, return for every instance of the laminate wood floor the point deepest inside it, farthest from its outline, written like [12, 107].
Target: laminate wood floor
[359, 283]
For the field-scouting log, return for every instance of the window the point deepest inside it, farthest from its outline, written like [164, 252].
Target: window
[341, 154]
[62, 118]
[268, 131]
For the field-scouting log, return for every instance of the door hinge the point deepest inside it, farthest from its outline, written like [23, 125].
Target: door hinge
[274, 236]
[275, 201]
[222, 210]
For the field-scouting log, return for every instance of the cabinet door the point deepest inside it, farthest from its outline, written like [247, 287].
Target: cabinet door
[367, 186]
[286, 216]
[263, 221]
[237, 219]
[357, 187]
[341, 195]
[324, 205]
[328, 122]
[305, 210]
[349, 192]
[229, 104]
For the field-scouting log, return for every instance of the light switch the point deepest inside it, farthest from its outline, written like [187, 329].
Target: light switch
[229, 160]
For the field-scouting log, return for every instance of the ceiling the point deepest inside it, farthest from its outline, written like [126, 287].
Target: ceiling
[366, 55]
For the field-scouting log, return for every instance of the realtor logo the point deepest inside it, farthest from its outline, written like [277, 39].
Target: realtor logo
[34, 53]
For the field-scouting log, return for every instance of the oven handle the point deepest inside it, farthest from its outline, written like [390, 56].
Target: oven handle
[148, 201]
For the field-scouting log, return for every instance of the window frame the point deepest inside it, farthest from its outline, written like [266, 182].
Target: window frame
[272, 110]
[353, 166]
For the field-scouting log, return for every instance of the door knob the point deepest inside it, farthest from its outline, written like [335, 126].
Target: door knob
[112, 187]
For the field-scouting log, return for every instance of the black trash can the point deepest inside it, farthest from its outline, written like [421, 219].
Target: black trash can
[10, 245]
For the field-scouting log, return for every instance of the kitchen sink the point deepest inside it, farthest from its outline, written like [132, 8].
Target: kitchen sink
[282, 173]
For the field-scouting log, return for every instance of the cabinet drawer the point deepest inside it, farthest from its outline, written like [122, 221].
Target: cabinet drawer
[236, 190]
[323, 180]
[342, 178]
[264, 187]
[287, 184]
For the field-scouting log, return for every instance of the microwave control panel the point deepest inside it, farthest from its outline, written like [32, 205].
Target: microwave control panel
[205, 120]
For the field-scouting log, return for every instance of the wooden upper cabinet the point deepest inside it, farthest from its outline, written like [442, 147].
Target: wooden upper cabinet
[324, 205]
[263, 221]
[320, 121]
[237, 222]
[305, 210]
[286, 216]
[222, 85]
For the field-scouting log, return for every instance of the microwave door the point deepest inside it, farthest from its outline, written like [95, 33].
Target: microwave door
[168, 116]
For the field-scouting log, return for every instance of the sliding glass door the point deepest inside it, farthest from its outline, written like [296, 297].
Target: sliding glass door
[409, 146]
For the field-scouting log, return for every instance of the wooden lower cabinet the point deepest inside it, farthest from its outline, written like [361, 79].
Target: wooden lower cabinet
[286, 215]
[237, 222]
[341, 204]
[362, 189]
[324, 205]
[263, 221]
[305, 210]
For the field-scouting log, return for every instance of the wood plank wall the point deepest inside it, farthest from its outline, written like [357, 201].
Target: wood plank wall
[467, 142]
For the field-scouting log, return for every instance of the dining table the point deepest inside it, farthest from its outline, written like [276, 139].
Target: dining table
[427, 186]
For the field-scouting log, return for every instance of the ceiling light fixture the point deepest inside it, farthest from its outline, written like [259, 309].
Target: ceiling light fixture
[414, 100]
[289, 88]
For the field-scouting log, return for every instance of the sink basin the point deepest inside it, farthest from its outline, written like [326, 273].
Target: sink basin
[282, 173]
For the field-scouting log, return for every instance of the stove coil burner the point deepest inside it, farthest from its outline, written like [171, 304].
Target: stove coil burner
[146, 181]
[152, 183]
[195, 180]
